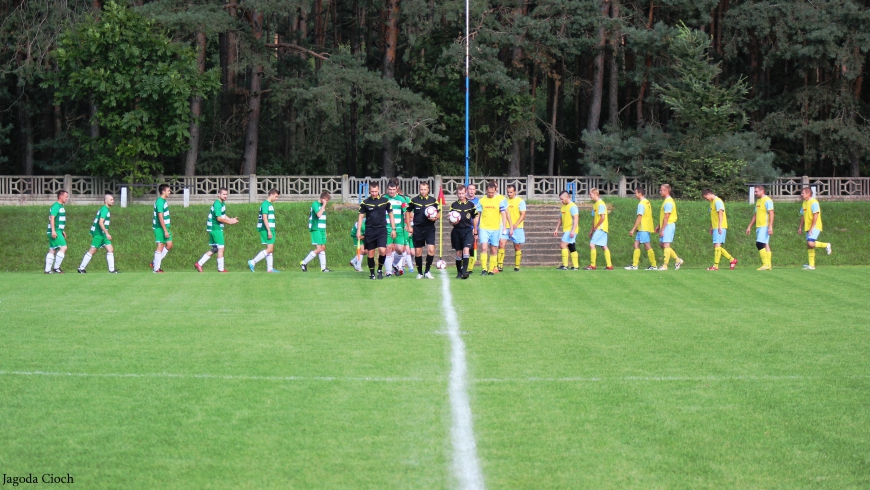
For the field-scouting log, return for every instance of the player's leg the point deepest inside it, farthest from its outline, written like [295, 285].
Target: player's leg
[391, 249]
[321, 256]
[270, 261]
[158, 252]
[49, 259]
[303, 264]
[635, 256]
[593, 255]
[502, 241]
[430, 256]
[493, 254]
[651, 254]
[518, 255]
[110, 257]
[58, 258]
[87, 259]
[472, 259]
[483, 249]
[563, 246]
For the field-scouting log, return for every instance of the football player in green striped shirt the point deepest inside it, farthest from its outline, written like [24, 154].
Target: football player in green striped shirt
[101, 236]
[162, 227]
[266, 227]
[56, 234]
[317, 229]
[396, 246]
[214, 226]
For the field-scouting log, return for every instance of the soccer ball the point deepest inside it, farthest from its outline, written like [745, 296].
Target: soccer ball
[454, 216]
[440, 264]
[431, 212]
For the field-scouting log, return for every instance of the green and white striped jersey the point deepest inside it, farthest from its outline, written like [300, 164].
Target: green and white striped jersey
[315, 223]
[59, 212]
[398, 206]
[267, 213]
[160, 207]
[217, 210]
[106, 215]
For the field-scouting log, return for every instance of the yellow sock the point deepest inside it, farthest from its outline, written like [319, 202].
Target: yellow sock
[763, 254]
[593, 257]
[565, 257]
[652, 257]
[471, 261]
[501, 258]
[717, 256]
[607, 257]
[666, 257]
[769, 254]
[518, 258]
[575, 260]
[811, 253]
[726, 254]
[674, 254]
[484, 258]
[822, 245]
[635, 259]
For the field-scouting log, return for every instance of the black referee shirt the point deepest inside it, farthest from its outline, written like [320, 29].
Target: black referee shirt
[467, 210]
[376, 212]
[418, 206]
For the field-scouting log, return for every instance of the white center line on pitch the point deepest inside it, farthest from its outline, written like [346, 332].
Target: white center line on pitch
[465, 464]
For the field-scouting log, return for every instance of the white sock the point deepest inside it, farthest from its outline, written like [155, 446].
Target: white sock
[49, 260]
[388, 264]
[204, 259]
[409, 262]
[110, 259]
[58, 259]
[165, 251]
[260, 256]
[158, 257]
[308, 258]
[85, 260]
[353, 260]
[322, 257]
[268, 262]
[220, 261]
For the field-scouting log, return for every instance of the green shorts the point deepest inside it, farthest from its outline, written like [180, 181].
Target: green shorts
[100, 241]
[159, 238]
[216, 238]
[401, 237]
[264, 237]
[318, 237]
[58, 242]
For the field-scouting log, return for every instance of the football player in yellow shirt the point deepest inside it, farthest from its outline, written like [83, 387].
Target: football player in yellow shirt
[811, 221]
[763, 221]
[516, 210]
[569, 222]
[491, 221]
[718, 230]
[643, 225]
[598, 233]
[667, 228]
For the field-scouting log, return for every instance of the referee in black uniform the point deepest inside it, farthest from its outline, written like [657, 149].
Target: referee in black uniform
[376, 210]
[423, 229]
[462, 236]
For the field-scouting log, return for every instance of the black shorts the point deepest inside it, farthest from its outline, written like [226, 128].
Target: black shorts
[375, 239]
[461, 238]
[424, 236]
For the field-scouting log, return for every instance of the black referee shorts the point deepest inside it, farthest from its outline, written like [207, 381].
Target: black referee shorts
[461, 238]
[424, 236]
[375, 239]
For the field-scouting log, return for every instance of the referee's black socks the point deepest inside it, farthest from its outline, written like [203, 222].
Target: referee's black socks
[372, 265]
[458, 265]
[419, 261]
[381, 259]
[429, 259]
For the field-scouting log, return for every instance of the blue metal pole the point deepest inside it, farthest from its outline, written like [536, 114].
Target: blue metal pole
[467, 92]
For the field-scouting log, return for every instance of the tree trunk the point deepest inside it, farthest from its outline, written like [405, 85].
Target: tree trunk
[647, 64]
[531, 140]
[552, 157]
[232, 50]
[598, 75]
[195, 110]
[252, 134]
[613, 90]
[25, 125]
[391, 40]
[319, 31]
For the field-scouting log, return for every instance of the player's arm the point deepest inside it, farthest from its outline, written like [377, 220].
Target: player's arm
[392, 222]
[751, 222]
[801, 224]
[721, 214]
[409, 217]
[162, 224]
[520, 221]
[558, 224]
[665, 219]
[575, 227]
[228, 221]
[636, 224]
[770, 222]
[51, 222]
[102, 225]
[815, 219]
[322, 209]
[359, 221]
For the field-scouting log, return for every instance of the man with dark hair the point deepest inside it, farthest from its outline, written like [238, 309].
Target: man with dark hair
[317, 230]
[516, 211]
[462, 236]
[162, 227]
[56, 234]
[643, 225]
[491, 220]
[375, 210]
[266, 228]
[214, 226]
[763, 221]
[569, 219]
[422, 229]
[396, 246]
[101, 236]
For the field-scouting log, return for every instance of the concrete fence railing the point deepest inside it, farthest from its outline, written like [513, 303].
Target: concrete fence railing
[17, 189]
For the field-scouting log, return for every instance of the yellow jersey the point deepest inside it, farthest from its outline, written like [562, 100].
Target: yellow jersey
[644, 209]
[808, 209]
[599, 210]
[762, 206]
[515, 207]
[568, 212]
[668, 206]
[717, 205]
[490, 211]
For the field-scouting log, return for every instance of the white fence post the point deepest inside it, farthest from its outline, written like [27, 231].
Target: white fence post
[530, 187]
[124, 196]
[345, 189]
[186, 197]
[623, 183]
[252, 188]
[751, 194]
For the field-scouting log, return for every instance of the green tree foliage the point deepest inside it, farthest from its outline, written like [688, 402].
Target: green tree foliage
[140, 81]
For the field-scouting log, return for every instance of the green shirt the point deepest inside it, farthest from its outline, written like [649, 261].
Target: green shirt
[57, 210]
[315, 223]
[160, 206]
[267, 213]
[353, 230]
[105, 214]
[217, 210]
[398, 206]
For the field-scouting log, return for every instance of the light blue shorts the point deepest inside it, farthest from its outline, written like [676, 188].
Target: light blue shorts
[813, 235]
[719, 238]
[642, 237]
[599, 238]
[761, 235]
[668, 234]
[519, 236]
[566, 237]
[489, 237]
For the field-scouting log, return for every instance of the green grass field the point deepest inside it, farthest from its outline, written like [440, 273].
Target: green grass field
[682, 379]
